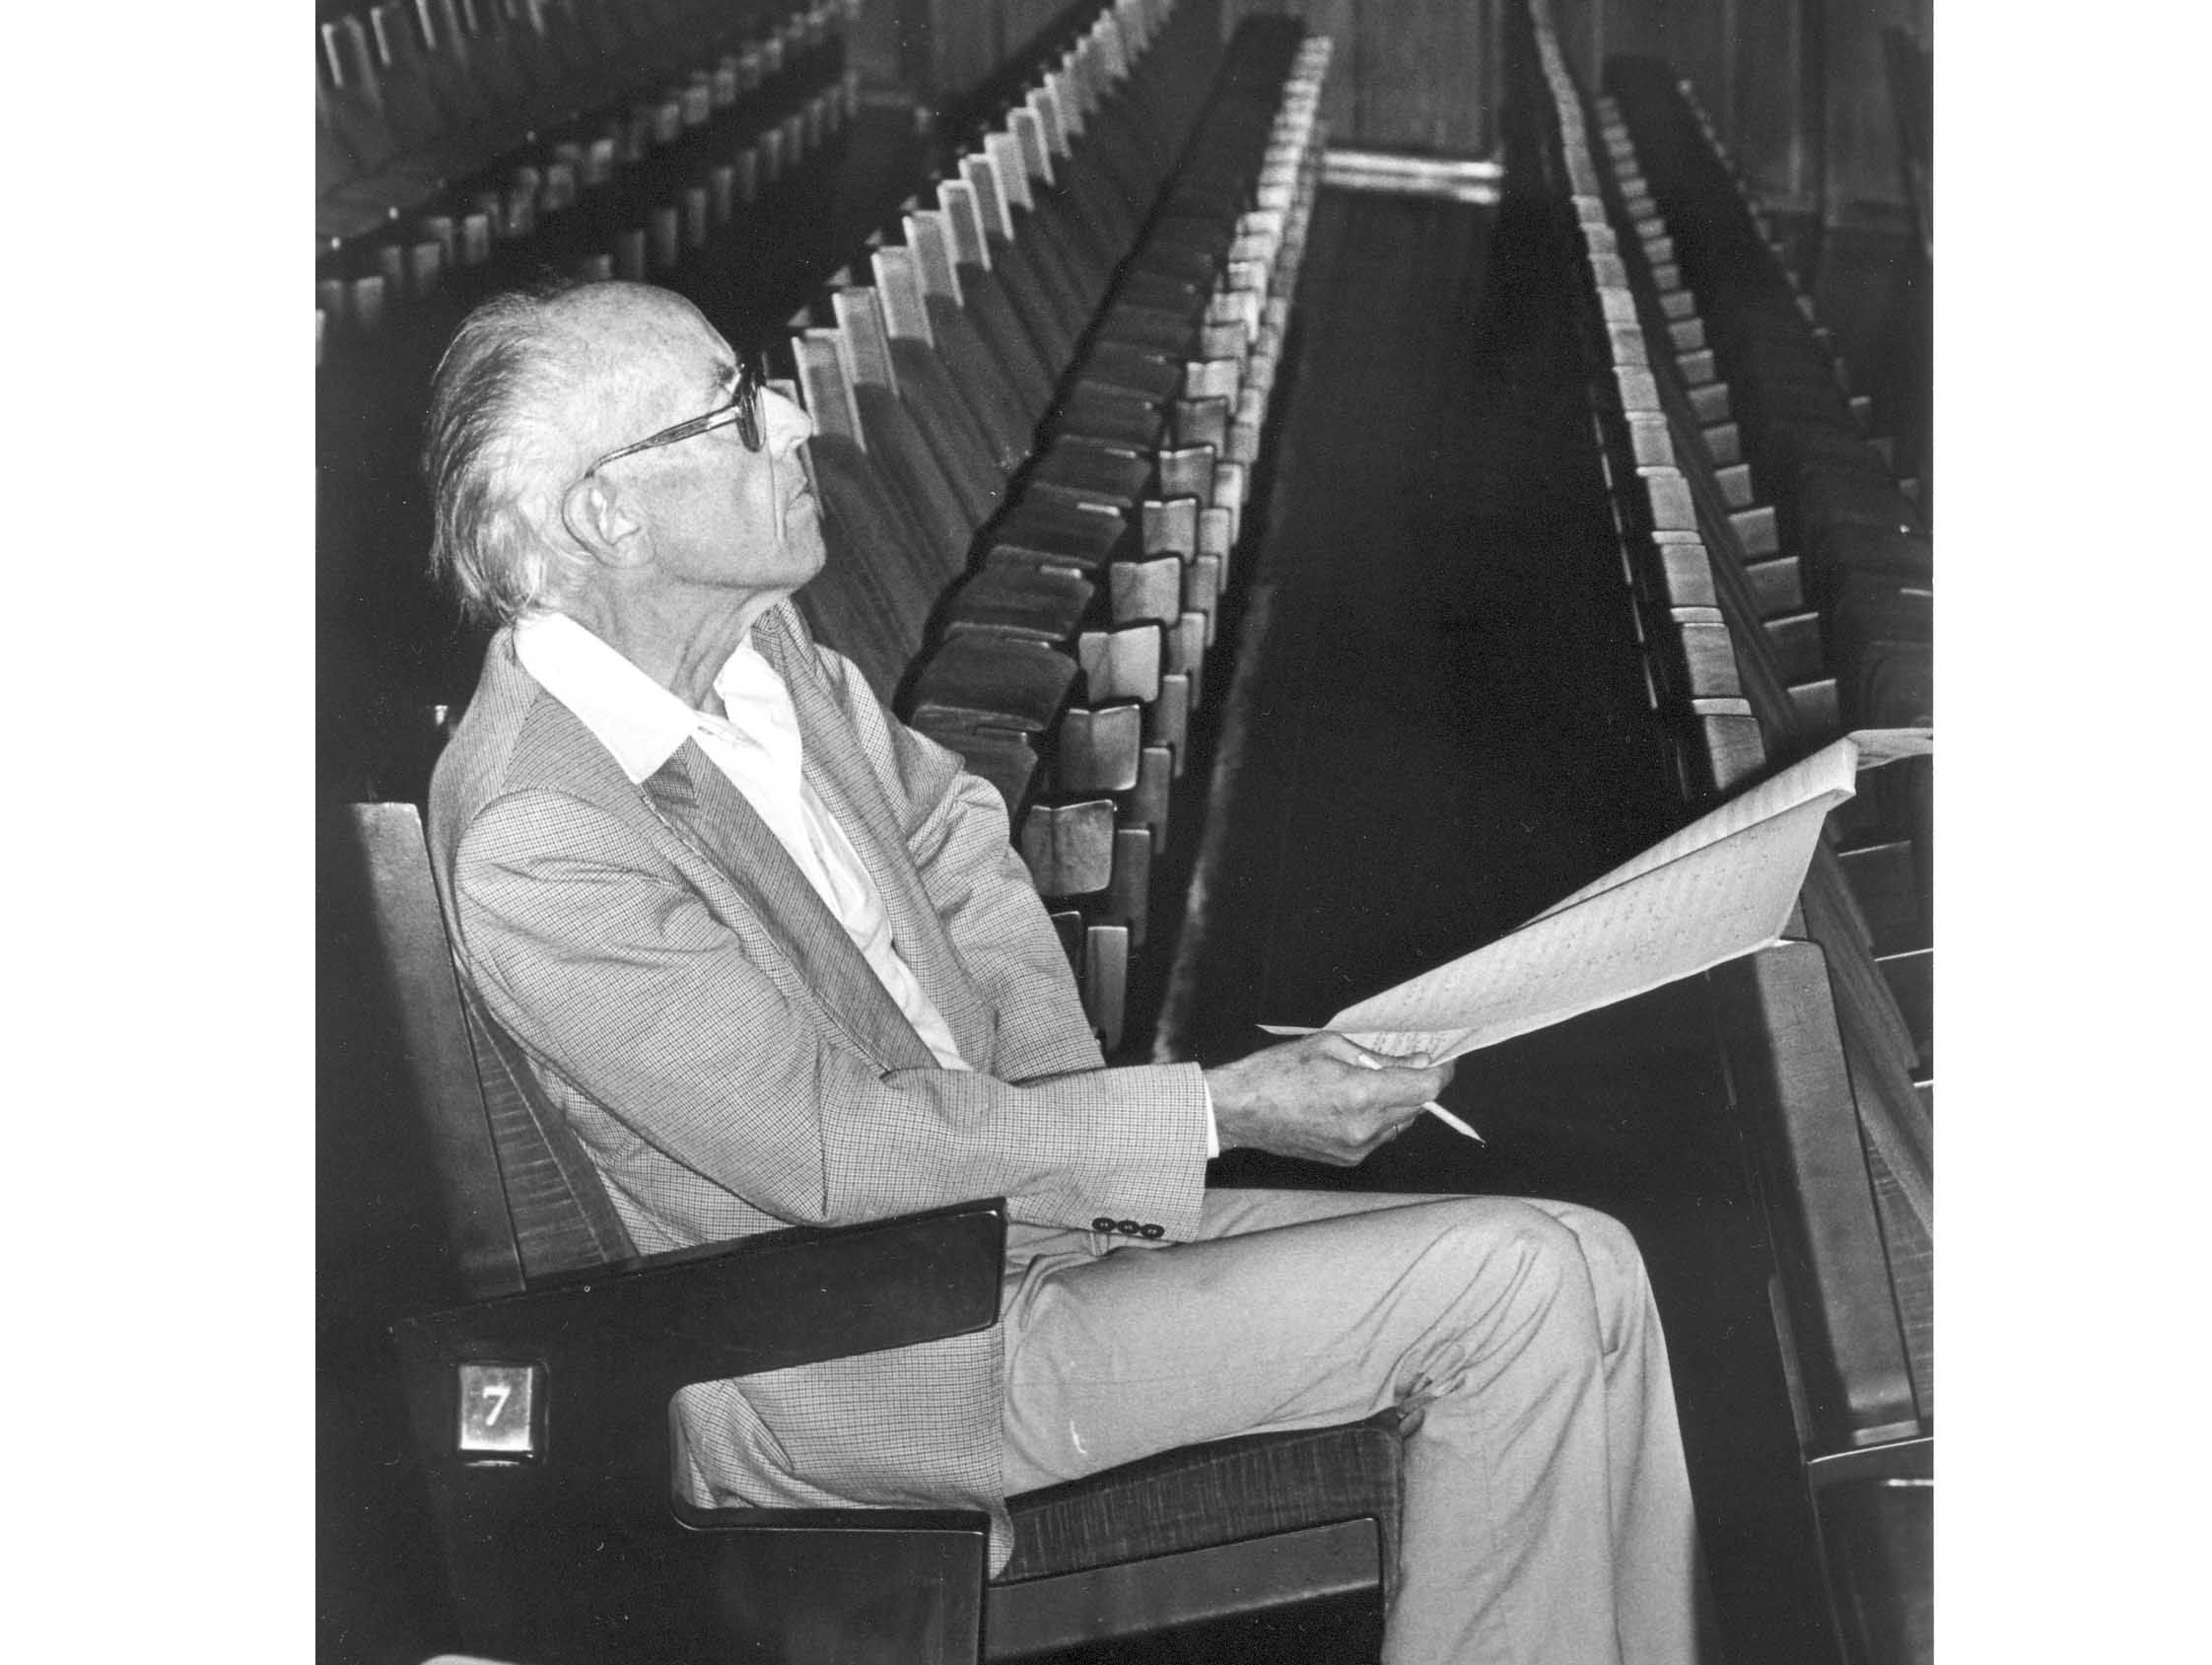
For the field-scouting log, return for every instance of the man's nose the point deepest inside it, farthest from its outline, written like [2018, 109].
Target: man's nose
[786, 421]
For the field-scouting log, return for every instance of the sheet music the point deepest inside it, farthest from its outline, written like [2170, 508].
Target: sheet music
[1721, 887]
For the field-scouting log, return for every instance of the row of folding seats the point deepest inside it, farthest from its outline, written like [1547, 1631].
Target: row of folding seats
[1036, 429]
[1863, 1287]
[1816, 1030]
[738, 216]
[1860, 536]
[1859, 657]
[734, 207]
[1822, 1076]
[460, 138]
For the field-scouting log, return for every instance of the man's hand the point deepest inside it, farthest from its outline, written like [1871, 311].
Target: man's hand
[1322, 1097]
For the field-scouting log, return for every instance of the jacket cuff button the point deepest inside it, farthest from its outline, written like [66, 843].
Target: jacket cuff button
[1153, 1231]
[1126, 1228]
[1104, 1223]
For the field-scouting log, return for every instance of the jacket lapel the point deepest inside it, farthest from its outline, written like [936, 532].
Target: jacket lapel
[700, 804]
[690, 804]
[839, 772]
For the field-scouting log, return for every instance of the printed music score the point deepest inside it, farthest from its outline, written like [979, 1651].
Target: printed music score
[1721, 887]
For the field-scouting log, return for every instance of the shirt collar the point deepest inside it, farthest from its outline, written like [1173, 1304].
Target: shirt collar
[635, 717]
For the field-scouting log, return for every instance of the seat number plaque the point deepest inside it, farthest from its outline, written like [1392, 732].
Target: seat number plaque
[501, 1409]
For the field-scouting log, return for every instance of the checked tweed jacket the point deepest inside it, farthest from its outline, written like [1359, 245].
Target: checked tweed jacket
[732, 1064]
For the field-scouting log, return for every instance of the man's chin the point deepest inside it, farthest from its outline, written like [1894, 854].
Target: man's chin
[809, 555]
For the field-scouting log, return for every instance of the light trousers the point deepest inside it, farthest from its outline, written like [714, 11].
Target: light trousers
[1547, 1513]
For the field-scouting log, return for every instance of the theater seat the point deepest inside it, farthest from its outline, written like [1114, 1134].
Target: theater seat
[577, 1550]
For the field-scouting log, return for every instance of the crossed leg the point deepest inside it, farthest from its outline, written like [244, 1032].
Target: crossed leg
[1547, 1510]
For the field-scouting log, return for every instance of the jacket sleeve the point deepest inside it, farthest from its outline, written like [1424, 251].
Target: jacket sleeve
[613, 970]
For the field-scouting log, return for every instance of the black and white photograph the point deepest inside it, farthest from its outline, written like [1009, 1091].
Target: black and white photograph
[1105, 832]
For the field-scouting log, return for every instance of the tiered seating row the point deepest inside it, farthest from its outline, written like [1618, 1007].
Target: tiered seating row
[1826, 1070]
[737, 205]
[1840, 535]
[1036, 428]
[1717, 672]
[1035, 431]
[455, 135]
[1862, 539]
[774, 213]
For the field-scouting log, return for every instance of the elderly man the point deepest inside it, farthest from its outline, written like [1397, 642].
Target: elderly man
[771, 954]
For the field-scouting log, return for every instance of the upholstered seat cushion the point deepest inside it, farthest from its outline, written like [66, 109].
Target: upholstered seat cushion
[1205, 1494]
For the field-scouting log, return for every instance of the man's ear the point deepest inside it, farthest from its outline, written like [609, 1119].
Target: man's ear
[603, 524]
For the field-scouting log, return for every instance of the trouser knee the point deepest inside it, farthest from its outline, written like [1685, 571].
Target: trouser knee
[1617, 1280]
[1520, 1255]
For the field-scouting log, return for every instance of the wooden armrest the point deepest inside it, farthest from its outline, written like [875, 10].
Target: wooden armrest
[1088, 470]
[1052, 529]
[1095, 410]
[974, 677]
[575, 1546]
[1133, 369]
[1045, 603]
[766, 1303]
[1780, 1023]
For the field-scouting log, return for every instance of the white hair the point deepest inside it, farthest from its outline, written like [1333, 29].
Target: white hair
[493, 451]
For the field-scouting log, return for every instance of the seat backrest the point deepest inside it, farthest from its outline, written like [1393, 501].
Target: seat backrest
[562, 1217]
[521, 1199]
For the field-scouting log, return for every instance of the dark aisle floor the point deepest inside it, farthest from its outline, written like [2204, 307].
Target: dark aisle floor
[1439, 740]
[1447, 732]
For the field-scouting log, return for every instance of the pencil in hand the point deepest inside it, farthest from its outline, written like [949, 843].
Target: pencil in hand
[1453, 1122]
[1437, 1110]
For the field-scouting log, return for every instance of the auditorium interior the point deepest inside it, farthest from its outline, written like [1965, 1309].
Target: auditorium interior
[1350, 473]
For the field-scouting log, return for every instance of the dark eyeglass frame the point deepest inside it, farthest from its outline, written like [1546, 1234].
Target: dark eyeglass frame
[743, 409]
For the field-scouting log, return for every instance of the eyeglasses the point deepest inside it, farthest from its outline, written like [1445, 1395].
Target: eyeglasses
[743, 409]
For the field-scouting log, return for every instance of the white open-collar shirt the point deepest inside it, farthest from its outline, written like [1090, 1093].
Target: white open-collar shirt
[757, 747]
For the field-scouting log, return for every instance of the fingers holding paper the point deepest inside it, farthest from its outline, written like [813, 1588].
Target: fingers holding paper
[1322, 1097]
